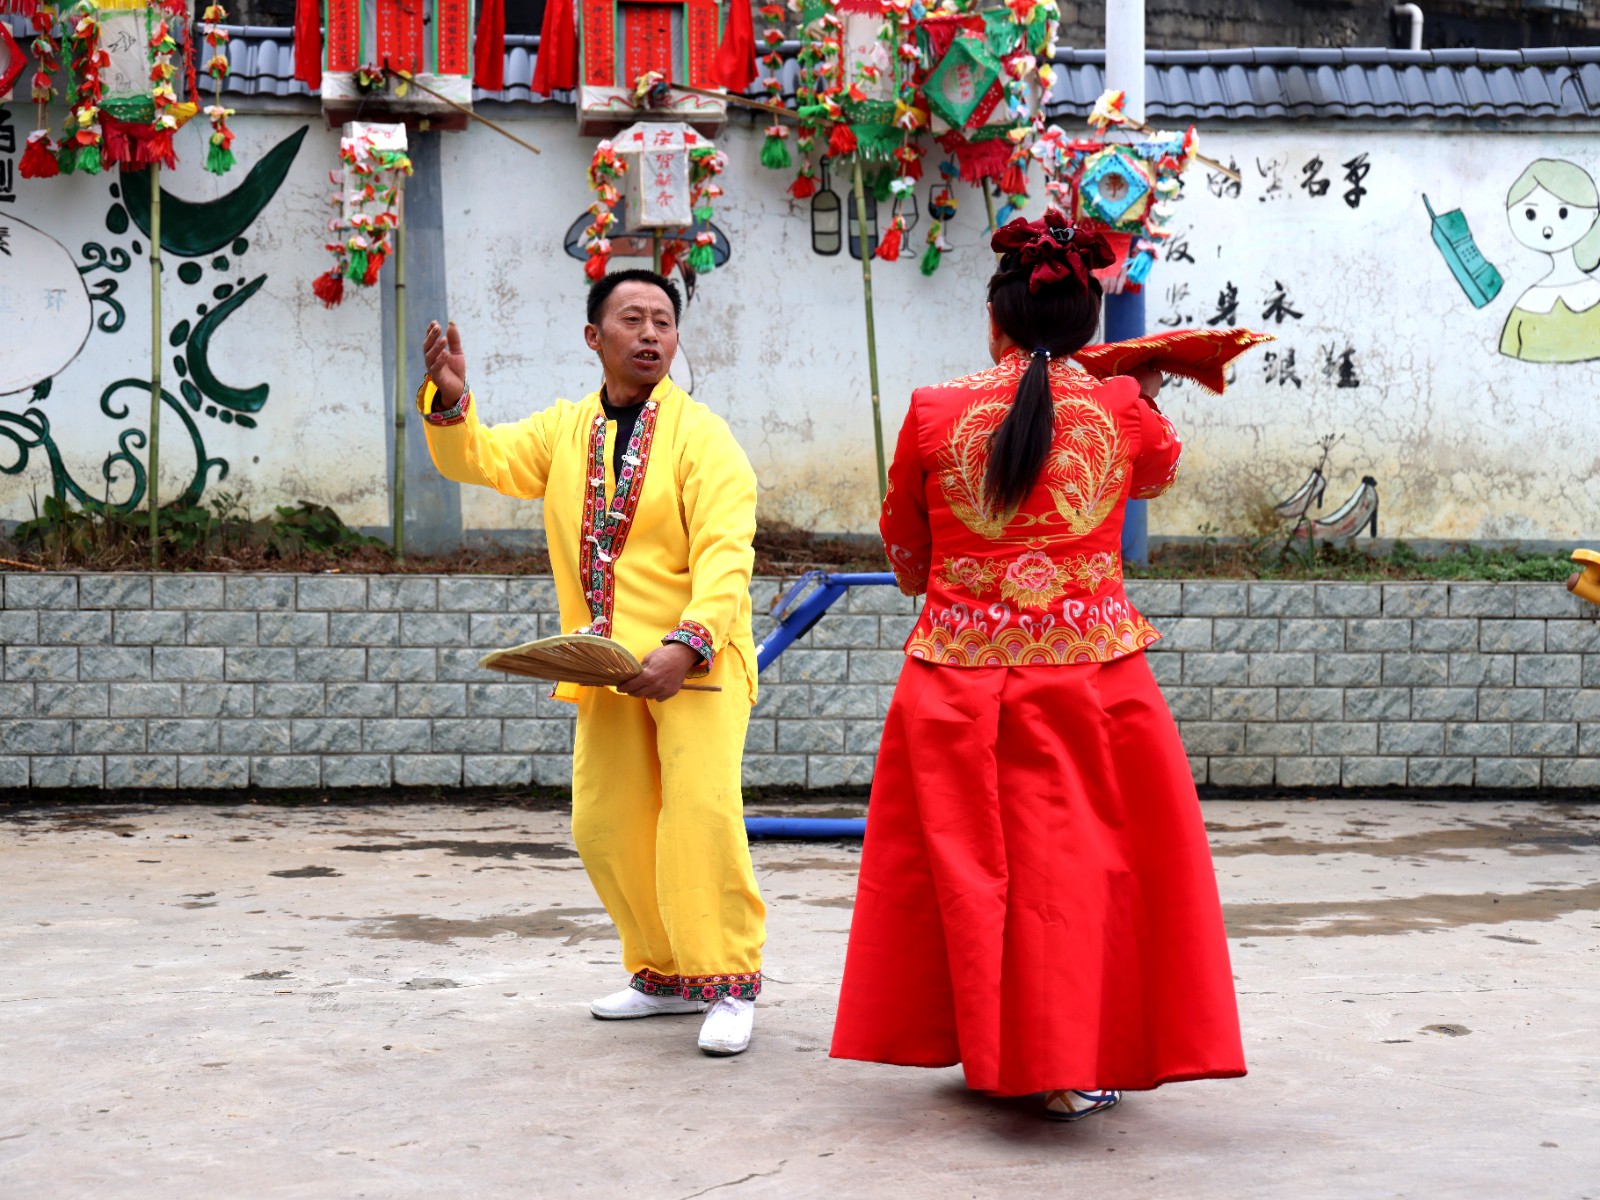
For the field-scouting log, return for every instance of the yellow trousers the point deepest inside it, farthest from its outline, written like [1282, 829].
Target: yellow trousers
[658, 817]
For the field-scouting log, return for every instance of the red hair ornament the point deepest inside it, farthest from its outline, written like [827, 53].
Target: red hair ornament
[1053, 250]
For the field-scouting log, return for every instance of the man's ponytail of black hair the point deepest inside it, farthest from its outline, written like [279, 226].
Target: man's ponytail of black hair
[1053, 322]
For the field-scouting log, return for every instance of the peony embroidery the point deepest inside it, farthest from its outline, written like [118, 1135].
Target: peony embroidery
[1033, 581]
[1089, 571]
[970, 574]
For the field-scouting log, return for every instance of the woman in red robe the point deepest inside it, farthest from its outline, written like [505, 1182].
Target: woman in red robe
[1037, 901]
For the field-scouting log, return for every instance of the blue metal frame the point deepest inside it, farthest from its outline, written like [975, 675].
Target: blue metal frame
[797, 611]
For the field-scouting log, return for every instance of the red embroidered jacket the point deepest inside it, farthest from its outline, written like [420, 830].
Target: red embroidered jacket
[1041, 585]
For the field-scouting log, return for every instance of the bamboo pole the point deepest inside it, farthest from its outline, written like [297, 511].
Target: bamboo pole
[655, 251]
[776, 110]
[153, 470]
[460, 108]
[988, 203]
[872, 333]
[398, 516]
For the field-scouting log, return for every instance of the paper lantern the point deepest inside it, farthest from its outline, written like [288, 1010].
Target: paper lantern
[621, 40]
[656, 181]
[430, 40]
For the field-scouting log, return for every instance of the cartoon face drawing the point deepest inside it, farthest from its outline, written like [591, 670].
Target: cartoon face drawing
[1554, 208]
[1542, 221]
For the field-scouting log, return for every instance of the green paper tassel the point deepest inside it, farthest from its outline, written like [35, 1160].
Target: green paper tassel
[67, 157]
[219, 159]
[702, 214]
[702, 260]
[930, 258]
[775, 154]
[357, 269]
[89, 160]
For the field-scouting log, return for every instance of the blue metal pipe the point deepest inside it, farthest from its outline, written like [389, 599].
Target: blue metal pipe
[1125, 320]
[805, 827]
[796, 611]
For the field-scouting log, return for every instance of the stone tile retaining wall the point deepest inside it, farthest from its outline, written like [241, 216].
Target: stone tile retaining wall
[278, 681]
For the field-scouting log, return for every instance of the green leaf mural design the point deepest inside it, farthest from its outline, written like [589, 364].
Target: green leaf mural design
[247, 400]
[192, 228]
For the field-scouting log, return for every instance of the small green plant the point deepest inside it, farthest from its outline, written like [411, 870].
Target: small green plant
[193, 536]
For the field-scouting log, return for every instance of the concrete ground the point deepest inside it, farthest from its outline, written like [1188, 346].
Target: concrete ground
[390, 1001]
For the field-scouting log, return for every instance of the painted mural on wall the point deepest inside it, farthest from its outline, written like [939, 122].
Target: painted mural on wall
[56, 305]
[1326, 243]
[1553, 209]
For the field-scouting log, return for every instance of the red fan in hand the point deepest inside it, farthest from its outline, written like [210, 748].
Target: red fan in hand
[1197, 354]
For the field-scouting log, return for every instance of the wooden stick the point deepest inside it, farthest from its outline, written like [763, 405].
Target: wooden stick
[11, 562]
[700, 687]
[776, 110]
[461, 108]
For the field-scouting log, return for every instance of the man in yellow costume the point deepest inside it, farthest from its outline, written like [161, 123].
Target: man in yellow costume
[649, 512]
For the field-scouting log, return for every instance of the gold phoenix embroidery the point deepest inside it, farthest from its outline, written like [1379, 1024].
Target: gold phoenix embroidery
[1084, 475]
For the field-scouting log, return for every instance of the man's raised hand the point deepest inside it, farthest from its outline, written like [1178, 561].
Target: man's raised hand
[447, 366]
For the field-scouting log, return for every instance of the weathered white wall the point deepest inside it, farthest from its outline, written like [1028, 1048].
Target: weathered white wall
[1463, 441]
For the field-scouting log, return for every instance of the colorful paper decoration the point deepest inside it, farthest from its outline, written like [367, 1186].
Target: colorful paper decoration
[959, 90]
[430, 40]
[126, 70]
[879, 79]
[621, 40]
[219, 156]
[656, 173]
[373, 161]
[1122, 189]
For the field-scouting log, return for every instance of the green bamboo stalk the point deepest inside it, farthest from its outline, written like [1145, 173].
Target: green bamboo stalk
[872, 332]
[988, 202]
[400, 399]
[153, 469]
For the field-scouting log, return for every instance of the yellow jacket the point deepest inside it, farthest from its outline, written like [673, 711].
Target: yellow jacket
[666, 556]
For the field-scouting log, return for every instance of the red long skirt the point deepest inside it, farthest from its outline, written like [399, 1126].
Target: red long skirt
[1037, 901]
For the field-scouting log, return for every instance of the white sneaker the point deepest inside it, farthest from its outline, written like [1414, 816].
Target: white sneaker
[631, 1003]
[1071, 1104]
[728, 1026]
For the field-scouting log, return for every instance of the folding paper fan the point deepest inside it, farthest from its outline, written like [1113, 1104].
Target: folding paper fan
[580, 658]
[1197, 354]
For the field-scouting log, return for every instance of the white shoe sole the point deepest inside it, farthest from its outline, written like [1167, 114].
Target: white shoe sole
[691, 1007]
[722, 1050]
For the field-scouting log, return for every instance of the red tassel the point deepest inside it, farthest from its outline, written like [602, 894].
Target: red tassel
[374, 265]
[329, 288]
[669, 257]
[39, 159]
[595, 268]
[911, 166]
[978, 160]
[889, 247]
[135, 146]
[842, 140]
[1014, 182]
[804, 187]
[308, 43]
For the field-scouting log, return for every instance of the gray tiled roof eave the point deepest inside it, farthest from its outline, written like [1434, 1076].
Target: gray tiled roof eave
[1251, 83]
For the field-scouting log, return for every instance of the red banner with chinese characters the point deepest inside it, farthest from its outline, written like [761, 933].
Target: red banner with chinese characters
[646, 40]
[452, 23]
[399, 27]
[343, 36]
